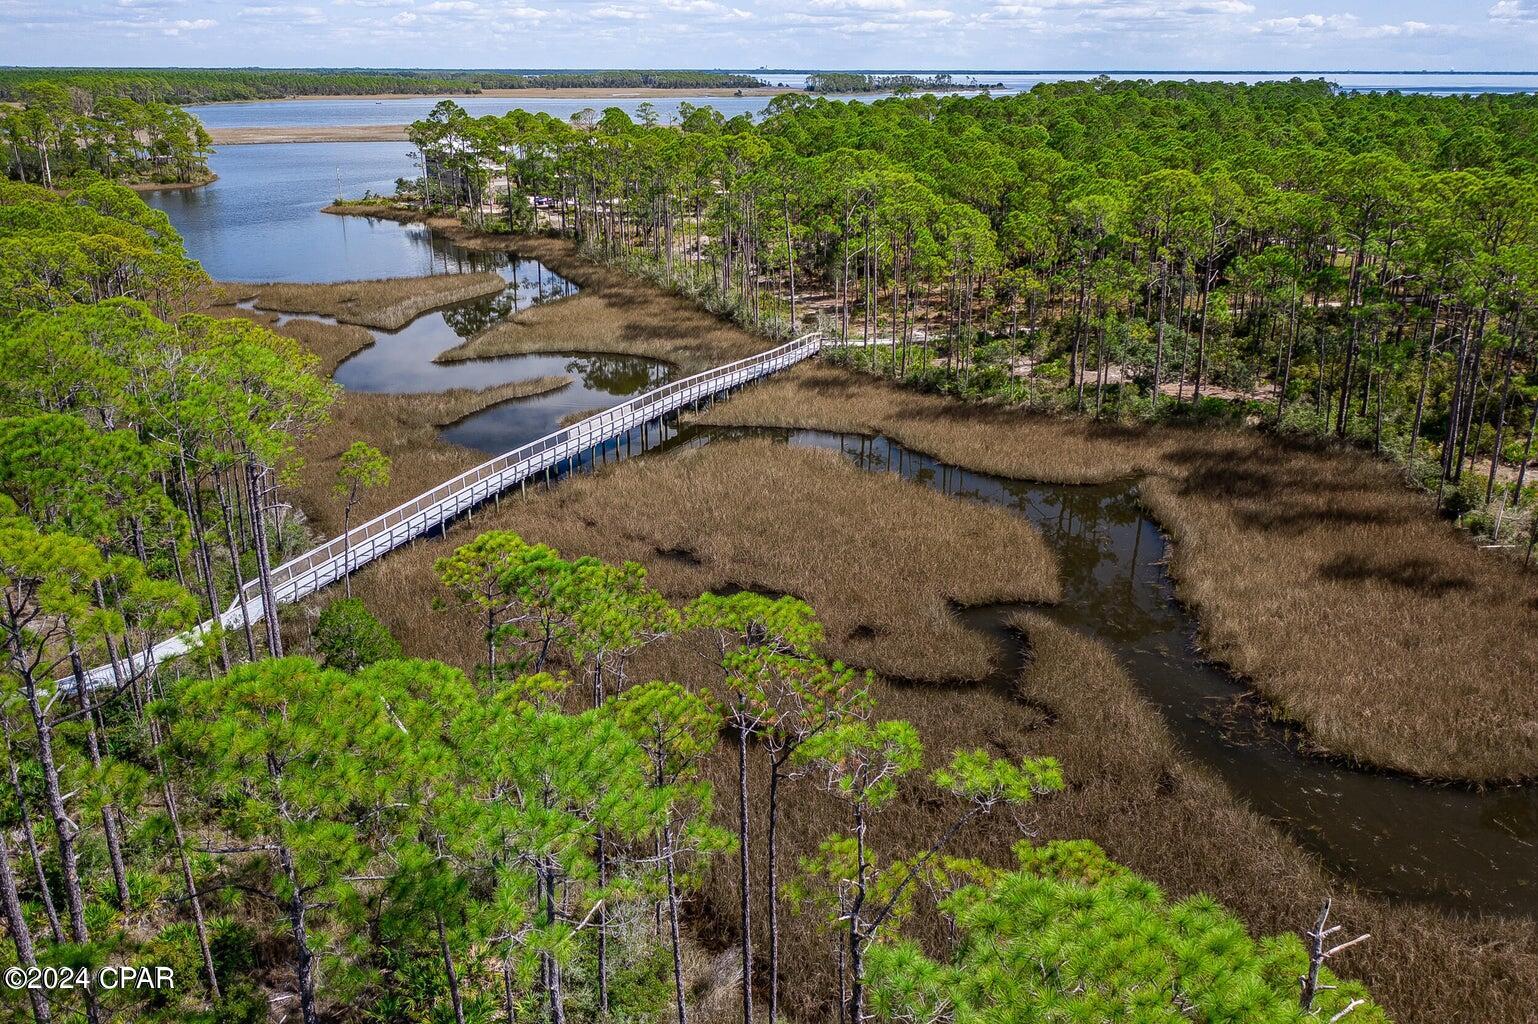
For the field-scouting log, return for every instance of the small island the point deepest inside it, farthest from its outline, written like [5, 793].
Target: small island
[859, 82]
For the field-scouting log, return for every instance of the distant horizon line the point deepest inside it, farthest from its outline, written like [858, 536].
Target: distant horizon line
[777, 71]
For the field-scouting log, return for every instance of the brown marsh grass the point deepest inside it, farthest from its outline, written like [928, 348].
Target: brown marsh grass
[387, 303]
[888, 558]
[577, 417]
[735, 515]
[1315, 574]
[613, 313]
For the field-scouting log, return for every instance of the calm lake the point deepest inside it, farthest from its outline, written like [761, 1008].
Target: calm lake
[262, 221]
[328, 111]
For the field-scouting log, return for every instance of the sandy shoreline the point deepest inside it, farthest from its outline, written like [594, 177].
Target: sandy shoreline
[257, 135]
[533, 94]
[163, 186]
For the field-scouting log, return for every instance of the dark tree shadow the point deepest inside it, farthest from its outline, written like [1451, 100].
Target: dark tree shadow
[1422, 575]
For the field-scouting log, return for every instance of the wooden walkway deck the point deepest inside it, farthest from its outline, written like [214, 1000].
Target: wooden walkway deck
[302, 576]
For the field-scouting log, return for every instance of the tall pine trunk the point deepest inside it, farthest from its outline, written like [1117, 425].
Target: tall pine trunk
[742, 849]
[21, 935]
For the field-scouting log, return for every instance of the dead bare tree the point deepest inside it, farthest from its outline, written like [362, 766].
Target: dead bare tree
[1318, 954]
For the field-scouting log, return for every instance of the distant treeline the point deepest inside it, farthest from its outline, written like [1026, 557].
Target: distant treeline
[850, 81]
[635, 80]
[207, 85]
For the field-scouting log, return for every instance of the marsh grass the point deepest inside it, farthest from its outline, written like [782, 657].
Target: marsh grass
[1314, 572]
[1132, 790]
[735, 515]
[613, 313]
[387, 303]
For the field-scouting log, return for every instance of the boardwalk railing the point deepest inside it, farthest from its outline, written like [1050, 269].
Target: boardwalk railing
[299, 577]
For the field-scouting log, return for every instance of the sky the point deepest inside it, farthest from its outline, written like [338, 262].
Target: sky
[1153, 35]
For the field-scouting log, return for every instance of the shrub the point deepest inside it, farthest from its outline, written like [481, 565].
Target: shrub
[349, 637]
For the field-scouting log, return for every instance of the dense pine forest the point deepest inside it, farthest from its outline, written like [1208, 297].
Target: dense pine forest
[209, 85]
[344, 834]
[54, 131]
[1358, 266]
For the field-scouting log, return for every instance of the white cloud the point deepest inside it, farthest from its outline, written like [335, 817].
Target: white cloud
[705, 8]
[1288, 26]
[1344, 26]
[1512, 11]
[612, 12]
[294, 14]
[167, 27]
[1014, 16]
[858, 5]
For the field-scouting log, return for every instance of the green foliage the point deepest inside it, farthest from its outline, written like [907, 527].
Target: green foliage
[1044, 946]
[349, 637]
[534, 600]
[362, 467]
[1067, 860]
[865, 761]
[1140, 250]
[978, 776]
[54, 132]
[91, 243]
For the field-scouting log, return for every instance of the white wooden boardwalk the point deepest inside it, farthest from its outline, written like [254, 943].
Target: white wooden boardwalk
[302, 576]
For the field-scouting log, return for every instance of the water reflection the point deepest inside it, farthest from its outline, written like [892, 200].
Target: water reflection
[402, 361]
[261, 220]
[599, 381]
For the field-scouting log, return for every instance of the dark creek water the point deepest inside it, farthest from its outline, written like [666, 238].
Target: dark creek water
[1455, 847]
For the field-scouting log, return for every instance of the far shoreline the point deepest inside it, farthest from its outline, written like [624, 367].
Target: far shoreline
[258, 135]
[543, 93]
